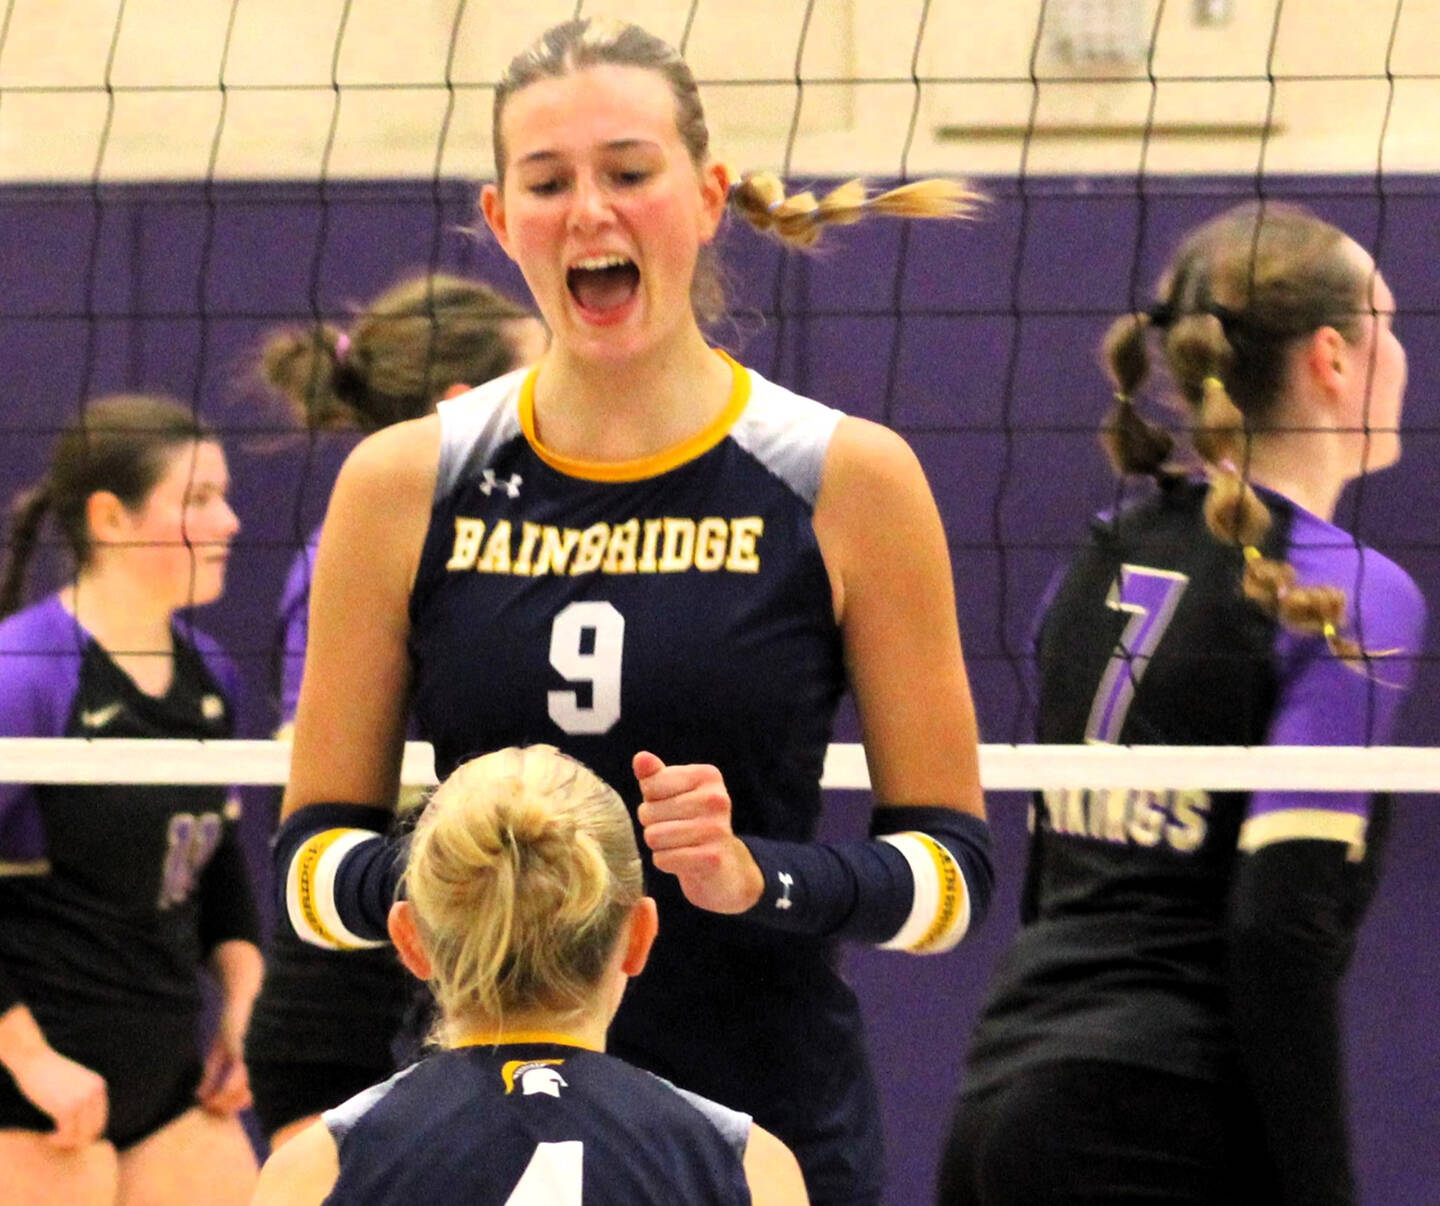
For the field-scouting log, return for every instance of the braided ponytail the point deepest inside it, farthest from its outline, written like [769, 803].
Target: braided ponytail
[798, 220]
[1133, 444]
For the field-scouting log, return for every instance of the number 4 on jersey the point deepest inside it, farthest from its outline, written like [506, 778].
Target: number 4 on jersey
[1150, 596]
[553, 1176]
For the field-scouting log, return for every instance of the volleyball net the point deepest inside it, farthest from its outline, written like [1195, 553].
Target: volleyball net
[1002, 767]
[177, 180]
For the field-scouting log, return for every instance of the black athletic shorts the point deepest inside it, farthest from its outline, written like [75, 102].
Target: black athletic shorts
[286, 1091]
[149, 1062]
[1086, 1131]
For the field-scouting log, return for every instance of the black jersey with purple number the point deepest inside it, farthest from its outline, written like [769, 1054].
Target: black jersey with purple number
[535, 1120]
[103, 888]
[1148, 640]
[680, 605]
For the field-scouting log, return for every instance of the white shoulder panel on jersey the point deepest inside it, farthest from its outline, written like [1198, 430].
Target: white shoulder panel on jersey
[341, 1120]
[734, 1127]
[473, 425]
[787, 433]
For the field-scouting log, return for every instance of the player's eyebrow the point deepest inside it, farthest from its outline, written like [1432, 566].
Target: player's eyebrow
[615, 144]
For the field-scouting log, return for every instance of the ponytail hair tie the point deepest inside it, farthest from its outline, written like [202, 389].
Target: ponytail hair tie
[1252, 554]
[1123, 398]
[1161, 315]
[1228, 466]
[1329, 630]
[1213, 380]
[342, 347]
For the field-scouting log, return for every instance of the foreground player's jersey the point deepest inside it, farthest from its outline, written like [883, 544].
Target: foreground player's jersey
[677, 604]
[1149, 640]
[535, 1120]
[102, 887]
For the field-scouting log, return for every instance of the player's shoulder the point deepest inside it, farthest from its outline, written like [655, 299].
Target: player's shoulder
[396, 460]
[788, 433]
[1386, 607]
[42, 647]
[474, 424]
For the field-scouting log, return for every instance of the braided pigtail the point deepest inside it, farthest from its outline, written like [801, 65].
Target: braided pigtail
[1236, 515]
[760, 198]
[27, 513]
[1133, 444]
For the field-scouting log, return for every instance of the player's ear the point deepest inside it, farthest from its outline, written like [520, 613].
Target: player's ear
[105, 516]
[639, 936]
[405, 934]
[492, 208]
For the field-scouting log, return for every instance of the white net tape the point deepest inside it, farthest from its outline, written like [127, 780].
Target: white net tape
[1002, 767]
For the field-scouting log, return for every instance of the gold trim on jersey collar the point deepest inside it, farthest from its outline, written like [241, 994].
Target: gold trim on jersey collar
[510, 1038]
[646, 466]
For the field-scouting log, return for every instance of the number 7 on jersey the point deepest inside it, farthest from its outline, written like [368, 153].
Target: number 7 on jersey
[1150, 596]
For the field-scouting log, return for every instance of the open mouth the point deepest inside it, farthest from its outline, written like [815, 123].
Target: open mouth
[602, 283]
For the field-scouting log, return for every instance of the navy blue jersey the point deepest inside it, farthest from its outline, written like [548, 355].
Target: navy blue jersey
[110, 895]
[535, 1121]
[677, 604]
[1148, 640]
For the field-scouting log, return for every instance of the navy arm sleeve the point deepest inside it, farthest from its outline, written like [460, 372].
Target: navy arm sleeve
[337, 874]
[918, 885]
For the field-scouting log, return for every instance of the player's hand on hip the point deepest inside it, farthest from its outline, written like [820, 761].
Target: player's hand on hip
[76, 1098]
[685, 814]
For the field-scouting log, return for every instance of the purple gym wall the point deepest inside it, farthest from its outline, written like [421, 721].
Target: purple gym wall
[992, 376]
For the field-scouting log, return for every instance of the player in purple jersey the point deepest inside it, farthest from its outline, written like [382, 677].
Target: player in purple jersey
[111, 896]
[653, 558]
[526, 913]
[1167, 1026]
[324, 1022]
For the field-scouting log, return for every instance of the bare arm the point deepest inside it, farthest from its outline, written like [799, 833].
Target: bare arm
[225, 1085]
[300, 1173]
[773, 1172]
[885, 547]
[350, 722]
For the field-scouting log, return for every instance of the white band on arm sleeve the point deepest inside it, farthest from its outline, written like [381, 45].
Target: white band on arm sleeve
[940, 912]
[310, 889]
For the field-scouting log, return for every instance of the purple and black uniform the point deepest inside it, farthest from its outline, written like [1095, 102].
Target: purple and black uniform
[111, 896]
[534, 1120]
[1168, 1015]
[325, 1021]
[677, 604]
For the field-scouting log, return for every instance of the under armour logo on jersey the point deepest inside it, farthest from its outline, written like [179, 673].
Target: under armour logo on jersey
[98, 718]
[511, 487]
[786, 882]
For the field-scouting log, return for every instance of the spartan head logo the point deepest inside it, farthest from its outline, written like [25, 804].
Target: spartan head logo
[541, 1080]
[533, 1076]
